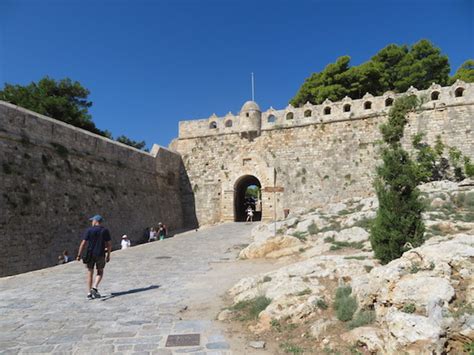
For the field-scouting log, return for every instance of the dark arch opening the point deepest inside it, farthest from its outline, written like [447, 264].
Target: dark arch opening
[228, 123]
[388, 102]
[308, 113]
[459, 92]
[327, 110]
[247, 193]
[289, 116]
[367, 105]
[435, 95]
[347, 108]
[213, 125]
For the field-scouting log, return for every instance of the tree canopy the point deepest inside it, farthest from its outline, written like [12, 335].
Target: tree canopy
[395, 67]
[465, 72]
[64, 100]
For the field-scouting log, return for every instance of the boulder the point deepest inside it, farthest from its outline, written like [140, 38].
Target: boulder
[371, 337]
[319, 328]
[420, 290]
[272, 247]
[412, 333]
[354, 234]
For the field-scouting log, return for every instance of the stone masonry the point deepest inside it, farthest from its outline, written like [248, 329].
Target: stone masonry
[314, 154]
[54, 176]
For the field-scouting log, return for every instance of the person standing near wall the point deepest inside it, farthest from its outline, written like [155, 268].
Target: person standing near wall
[95, 241]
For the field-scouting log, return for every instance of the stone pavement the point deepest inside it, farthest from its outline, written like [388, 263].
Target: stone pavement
[145, 292]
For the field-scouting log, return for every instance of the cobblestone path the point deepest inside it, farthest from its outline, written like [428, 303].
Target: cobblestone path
[145, 290]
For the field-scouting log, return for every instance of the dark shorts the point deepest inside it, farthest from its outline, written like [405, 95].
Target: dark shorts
[97, 261]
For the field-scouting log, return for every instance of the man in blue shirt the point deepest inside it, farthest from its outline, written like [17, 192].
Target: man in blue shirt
[96, 241]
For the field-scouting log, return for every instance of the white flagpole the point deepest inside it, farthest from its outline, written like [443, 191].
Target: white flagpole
[253, 88]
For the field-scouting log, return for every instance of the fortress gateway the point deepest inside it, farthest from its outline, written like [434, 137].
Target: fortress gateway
[307, 156]
[53, 175]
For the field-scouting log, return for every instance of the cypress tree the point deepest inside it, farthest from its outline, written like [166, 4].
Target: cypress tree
[398, 219]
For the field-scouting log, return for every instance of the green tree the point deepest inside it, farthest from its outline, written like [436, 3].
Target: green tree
[398, 220]
[136, 144]
[392, 68]
[465, 72]
[64, 100]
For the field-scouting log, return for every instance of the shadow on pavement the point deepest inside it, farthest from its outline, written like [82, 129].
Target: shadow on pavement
[129, 292]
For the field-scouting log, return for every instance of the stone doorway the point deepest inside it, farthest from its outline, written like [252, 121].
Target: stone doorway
[244, 196]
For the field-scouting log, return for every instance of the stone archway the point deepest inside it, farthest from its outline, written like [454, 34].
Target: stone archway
[241, 203]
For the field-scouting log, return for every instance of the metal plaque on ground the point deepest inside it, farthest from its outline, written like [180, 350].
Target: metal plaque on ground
[183, 340]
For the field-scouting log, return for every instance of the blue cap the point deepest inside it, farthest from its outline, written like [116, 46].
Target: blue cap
[97, 218]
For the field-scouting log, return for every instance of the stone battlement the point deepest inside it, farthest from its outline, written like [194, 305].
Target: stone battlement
[435, 97]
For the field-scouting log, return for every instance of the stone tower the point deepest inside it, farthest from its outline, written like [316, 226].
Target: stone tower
[251, 119]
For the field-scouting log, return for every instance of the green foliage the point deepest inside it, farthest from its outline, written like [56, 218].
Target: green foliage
[465, 72]
[344, 304]
[313, 229]
[306, 291]
[64, 100]
[362, 318]
[469, 348]
[290, 348]
[60, 149]
[300, 235]
[398, 218]
[468, 167]
[409, 308]
[392, 68]
[321, 304]
[251, 309]
[130, 142]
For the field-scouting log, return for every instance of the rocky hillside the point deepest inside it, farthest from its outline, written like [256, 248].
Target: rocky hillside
[333, 297]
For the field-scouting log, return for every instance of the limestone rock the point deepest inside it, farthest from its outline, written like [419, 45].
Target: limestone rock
[354, 234]
[369, 336]
[419, 290]
[319, 328]
[225, 315]
[413, 333]
[272, 247]
[257, 344]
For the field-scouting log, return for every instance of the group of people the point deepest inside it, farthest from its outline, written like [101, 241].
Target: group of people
[95, 250]
[159, 232]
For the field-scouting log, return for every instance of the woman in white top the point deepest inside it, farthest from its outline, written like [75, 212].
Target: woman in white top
[125, 242]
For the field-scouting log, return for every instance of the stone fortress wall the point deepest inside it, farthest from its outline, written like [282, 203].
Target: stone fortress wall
[314, 154]
[54, 176]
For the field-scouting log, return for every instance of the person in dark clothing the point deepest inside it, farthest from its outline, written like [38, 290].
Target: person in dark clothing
[96, 241]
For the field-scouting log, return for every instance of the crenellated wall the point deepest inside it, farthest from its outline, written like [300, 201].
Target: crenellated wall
[54, 176]
[314, 154]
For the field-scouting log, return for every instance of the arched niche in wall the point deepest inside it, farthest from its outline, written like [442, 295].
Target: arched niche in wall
[213, 125]
[228, 123]
[290, 115]
[327, 110]
[435, 95]
[459, 92]
[346, 108]
[308, 113]
[271, 119]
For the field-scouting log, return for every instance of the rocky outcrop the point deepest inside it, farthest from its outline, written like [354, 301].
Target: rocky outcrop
[423, 301]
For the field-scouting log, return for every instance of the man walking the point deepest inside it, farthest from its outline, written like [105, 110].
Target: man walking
[96, 241]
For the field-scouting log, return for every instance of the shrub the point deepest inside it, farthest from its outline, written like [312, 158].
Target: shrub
[398, 218]
[251, 309]
[409, 308]
[321, 304]
[362, 318]
[291, 348]
[300, 235]
[313, 229]
[306, 291]
[344, 304]
[267, 279]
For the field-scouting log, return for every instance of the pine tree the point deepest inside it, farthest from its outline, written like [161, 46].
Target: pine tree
[398, 219]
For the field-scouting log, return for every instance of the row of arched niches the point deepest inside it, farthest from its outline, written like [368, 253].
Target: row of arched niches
[434, 96]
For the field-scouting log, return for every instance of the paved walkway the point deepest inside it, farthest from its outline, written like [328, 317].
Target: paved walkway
[146, 291]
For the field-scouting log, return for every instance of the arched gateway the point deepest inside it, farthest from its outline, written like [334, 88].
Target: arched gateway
[247, 193]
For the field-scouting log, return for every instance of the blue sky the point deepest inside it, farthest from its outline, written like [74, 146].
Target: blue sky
[150, 64]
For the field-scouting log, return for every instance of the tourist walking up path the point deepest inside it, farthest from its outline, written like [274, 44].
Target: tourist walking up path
[148, 291]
